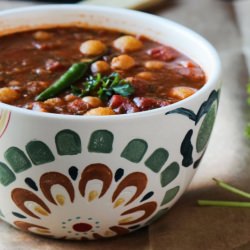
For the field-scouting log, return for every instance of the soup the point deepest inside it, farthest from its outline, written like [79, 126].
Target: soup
[82, 71]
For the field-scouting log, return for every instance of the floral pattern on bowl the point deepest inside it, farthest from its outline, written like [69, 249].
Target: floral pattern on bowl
[77, 201]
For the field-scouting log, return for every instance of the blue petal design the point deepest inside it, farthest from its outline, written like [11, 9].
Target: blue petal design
[147, 196]
[118, 174]
[187, 149]
[197, 163]
[31, 183]
[73, 172]
[204, 108]
[20, 216]
[183, 111]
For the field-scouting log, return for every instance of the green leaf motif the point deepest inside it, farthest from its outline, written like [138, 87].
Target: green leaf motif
[170, 195]
[206, 129]
[135, 150]
[101, 141]
[156, 161]
[169, 174]
[17, 159]
[68, 142]
[39, 152]
[6, 175]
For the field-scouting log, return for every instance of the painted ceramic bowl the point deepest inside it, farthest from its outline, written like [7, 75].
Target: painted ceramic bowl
[74, 177]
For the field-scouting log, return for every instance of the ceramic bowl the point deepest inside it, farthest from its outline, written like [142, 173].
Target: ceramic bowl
[72, 177]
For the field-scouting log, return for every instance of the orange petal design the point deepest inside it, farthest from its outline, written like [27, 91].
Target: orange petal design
[119, 230]
[84, 238]
[97, 236]
[96, 171]
[26, 226]
[109, 233]
[148, 208]
[137, 179]
[20, 196]
[53, 178]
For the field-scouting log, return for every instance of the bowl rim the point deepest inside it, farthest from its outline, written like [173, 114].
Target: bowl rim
[215, 76]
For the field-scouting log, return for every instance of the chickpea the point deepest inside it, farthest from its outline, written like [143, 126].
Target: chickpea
[42, 35]
[146, 75]
[100, 67]
[8, 95]
[94, 102]
[122, 62]
[93, 48]
[70, 98]
[40, 107]
[127, 43]
[101, 111]
[181, 92]
[54, 101]
[154, 65]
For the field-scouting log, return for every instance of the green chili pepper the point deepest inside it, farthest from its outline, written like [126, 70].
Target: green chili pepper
[74, 73]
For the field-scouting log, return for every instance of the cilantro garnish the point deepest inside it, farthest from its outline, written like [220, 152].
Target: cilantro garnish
[104, 87]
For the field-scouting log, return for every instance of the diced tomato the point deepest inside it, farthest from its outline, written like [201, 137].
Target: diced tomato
[53, 65]
[192, 74]
[147, 103]
[78, 107]
[38, 106]
[163, 53]
[122, 105]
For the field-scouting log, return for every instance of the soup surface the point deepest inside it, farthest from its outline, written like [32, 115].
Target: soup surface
[79, 71]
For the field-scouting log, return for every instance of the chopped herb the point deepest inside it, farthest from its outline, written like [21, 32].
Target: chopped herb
[104, 87]
[73, 74]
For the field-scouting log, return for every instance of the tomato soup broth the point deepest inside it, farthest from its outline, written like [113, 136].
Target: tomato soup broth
[82, 71]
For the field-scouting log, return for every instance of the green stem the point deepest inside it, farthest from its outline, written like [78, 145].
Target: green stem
[231, 189]
[223, 203]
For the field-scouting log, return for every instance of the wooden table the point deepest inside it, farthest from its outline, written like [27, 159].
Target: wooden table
[187, 226]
